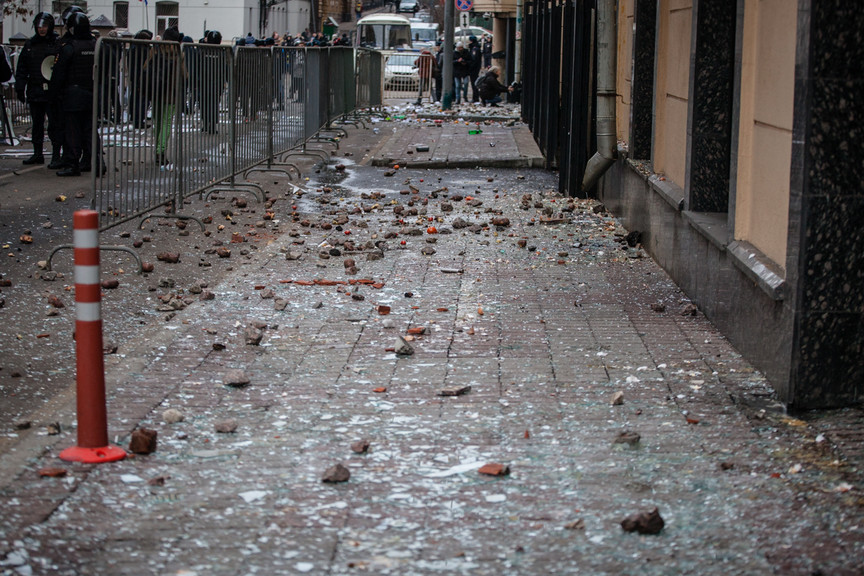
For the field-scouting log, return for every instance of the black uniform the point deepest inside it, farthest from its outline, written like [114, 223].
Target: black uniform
[32, 88]
[72, 83]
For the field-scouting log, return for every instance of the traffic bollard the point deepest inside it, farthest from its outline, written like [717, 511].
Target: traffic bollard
[93, 444]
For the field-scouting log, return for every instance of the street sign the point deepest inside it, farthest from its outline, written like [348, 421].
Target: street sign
[463, 20]
[464, 5]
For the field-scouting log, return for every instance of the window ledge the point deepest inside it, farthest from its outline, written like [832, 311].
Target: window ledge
[759, 268]
[712, 225]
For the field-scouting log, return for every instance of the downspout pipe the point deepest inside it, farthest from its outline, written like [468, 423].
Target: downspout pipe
[607, 65]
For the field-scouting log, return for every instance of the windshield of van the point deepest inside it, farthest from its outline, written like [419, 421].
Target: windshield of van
[385, 36]
[424, 34]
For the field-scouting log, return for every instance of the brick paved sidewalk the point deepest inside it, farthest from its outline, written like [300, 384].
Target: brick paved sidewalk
[545, 319]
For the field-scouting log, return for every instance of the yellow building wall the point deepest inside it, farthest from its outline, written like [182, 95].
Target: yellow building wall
[672, 92]
[765, 130]
[625, 62]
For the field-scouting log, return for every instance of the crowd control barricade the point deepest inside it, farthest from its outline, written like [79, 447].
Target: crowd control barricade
[402, 76]
[368, 67]
[175, 120]
[15, 115]
[138, 106]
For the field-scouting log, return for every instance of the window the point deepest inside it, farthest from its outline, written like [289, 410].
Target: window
[121, 14]
[167, 15]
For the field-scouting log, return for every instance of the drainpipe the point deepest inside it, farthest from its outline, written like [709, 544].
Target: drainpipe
[607, 131]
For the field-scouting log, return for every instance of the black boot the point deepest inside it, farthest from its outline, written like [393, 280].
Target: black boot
[36, 158]
[69, 171]
[56, 162]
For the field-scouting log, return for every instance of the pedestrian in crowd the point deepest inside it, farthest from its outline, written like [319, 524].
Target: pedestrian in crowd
[487, 51]
[165, 68]
[427, 68]
[110, 60]
[490, 87]
[476, 61]
[139, 87]
[461, 72]
[31, 86]
[72, 84]
[250, 39]
[212, 80]
[438, 77]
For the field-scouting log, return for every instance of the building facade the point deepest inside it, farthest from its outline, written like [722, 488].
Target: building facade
[233, 18]
[739, 162]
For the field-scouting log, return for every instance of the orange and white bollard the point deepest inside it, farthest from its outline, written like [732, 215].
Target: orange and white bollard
[93, 444]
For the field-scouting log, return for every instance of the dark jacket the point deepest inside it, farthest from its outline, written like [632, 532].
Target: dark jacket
[461, 63]
[488, 86]
[476, 58]
[28, 76]
[72, 78]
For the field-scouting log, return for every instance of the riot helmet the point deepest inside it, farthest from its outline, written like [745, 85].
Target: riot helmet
[78, 25]
[44, 19]
[64, 18]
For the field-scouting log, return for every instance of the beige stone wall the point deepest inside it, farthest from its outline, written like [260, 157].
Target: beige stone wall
[625, 66]
[765, 130]
[671, 95]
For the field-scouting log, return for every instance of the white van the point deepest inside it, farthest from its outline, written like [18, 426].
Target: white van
[384, 32]
[424, 35]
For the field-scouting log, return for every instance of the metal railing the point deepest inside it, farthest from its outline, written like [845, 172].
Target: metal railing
[557, 80]
[176, 120]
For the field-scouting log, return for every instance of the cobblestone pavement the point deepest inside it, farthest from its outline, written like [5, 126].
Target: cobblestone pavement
[546, 316]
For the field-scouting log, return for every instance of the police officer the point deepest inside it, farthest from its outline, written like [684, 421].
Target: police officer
[32, 87]
[72, 84]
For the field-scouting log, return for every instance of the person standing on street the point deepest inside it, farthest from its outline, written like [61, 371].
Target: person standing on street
[167, 74]
[72, 85]
[461, 72]
[31, 87]
[475, 62]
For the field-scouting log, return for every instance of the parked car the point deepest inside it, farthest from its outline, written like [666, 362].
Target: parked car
[400, 74]
[409, 6]
[462, 34]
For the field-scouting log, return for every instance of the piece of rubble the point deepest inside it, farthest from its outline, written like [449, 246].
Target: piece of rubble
[236, 378]
[628, 437]
[494, 469]
[228, 426]
[617, 398]
[455, 391]
[689, 309]
[143, 441]
[658, 307]
[644, 522]
[360, 446]
[168, 257]
[110, 284]
[253, 335]
[578, 524]
[336, 474]
[52, 472]
[402, 348]
[172, 416]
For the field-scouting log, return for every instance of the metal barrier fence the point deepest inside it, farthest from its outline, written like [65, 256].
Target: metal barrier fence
[369, 70]
[408, 75]
[15, 114]
[174, 120]
[557, 79]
